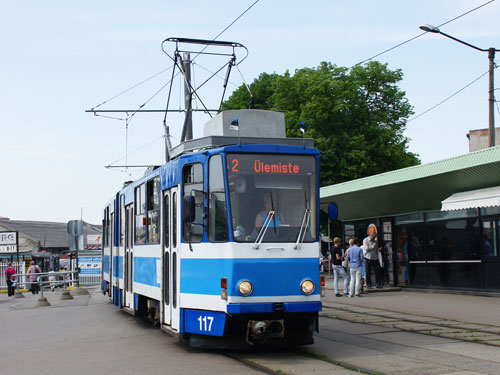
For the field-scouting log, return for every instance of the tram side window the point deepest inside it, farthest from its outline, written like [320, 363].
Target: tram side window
[153, 189]
[192, 177]
[105, 228]
[140, 217]
[217, 208]
[122, 219]
[174, 220]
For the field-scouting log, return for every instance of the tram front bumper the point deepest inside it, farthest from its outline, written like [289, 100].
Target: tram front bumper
[271, 307]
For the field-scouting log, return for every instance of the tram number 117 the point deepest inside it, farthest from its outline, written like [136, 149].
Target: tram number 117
[206, 323]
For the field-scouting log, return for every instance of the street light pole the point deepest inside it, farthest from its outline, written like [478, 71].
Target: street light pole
[491, 57]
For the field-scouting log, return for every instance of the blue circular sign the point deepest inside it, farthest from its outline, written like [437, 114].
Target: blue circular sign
[333, 211]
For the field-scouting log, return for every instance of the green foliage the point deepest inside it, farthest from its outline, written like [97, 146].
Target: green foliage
[356, 117]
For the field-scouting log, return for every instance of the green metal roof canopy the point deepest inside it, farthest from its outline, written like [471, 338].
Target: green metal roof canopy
[413, 189]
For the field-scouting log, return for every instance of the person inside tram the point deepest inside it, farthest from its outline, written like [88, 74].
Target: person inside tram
[270, 204]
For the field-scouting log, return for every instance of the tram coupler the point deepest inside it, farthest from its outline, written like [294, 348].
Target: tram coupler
[260, 330]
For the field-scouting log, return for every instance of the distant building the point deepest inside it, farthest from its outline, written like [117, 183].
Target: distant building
[439, 222]
[480, 139]
[42, 239]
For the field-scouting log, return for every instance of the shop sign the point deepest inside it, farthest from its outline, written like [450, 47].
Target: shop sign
[8, 242]
[387, 227]
[94, 239]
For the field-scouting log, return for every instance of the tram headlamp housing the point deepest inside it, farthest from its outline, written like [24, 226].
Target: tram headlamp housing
[245, 288]
[307, 287]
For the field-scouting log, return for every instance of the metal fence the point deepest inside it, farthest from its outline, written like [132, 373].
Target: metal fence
[20, 269]
[90, 269]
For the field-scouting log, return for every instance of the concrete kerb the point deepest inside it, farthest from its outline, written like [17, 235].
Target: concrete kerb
[80, 291]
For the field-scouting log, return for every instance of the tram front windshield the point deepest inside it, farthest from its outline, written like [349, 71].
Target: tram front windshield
[273, 197]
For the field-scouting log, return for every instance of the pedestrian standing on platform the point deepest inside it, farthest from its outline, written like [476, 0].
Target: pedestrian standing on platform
[371, 251]
[33, 269]
[355, 258]
[10, 278]
[52, 279]
[337, 259]
[345, 262]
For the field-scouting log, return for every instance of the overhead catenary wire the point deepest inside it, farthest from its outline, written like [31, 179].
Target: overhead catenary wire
[419, 35]
[133, 87]
[129, 117]
[449, 97]
[171, 66]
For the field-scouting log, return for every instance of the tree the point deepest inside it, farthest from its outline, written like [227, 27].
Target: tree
[356, 116]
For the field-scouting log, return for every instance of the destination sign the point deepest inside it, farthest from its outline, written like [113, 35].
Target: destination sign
[270, 164]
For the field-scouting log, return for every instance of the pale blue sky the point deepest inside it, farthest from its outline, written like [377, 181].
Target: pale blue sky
[60, 58]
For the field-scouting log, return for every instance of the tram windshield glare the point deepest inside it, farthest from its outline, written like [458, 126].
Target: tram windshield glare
[262, 184]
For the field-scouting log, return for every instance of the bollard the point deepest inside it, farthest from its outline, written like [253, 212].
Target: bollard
[42, 302]
[65, 295]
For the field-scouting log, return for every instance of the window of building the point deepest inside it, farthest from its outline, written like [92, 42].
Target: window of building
[450, 215]
[193, 227]
[140, 215]
[453, 252]
[410, 218]
[217, 208]
[153, 212]
[491, 237]
[410, 257]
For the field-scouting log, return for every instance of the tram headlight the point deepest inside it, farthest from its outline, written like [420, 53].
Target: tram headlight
[245, 288]
[307, 287]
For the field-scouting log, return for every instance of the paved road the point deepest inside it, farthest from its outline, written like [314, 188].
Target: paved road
[89, 335]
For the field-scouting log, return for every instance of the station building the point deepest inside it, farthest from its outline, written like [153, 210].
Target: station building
[43, 242]
[439, 221]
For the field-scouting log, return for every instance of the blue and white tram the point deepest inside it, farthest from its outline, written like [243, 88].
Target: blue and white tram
[221, 245]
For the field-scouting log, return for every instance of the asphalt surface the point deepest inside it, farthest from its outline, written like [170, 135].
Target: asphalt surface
[373, 334]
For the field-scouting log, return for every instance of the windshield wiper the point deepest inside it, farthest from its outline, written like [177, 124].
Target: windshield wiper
[303, 228]
[305, 223]
[274, 216]
[263, 229]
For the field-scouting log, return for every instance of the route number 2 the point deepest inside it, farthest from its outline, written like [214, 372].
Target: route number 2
[235, 165]
[206, 323]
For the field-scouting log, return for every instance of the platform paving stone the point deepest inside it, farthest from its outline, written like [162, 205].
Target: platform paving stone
[478, 351]
[403, 338]
[410, 347]
[291, 363]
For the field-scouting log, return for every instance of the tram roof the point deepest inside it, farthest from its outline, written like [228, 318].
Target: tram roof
[414, 189]
[212, 142]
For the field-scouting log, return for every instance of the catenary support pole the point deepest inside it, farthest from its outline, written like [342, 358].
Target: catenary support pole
[491, 58]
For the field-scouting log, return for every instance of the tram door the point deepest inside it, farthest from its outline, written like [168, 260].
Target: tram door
[171, 262]
[128, 258]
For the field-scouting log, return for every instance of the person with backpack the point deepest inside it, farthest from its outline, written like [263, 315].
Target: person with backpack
[10, 273]
[33, 270]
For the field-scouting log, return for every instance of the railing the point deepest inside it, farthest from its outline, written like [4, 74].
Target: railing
[23, 281]
[19, 267]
